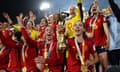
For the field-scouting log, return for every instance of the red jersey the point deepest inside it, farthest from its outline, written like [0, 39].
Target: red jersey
[99, 34]
[14, 59]
[4, 58]
[7, 33]
[29, 56]
[73, 61]
[41, 33]
[55, 59]
[16, 62]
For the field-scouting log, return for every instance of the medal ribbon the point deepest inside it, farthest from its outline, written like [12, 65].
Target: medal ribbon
[2, 49]
[47, 53]
[80, 53]
[23, 57]
[92, 24]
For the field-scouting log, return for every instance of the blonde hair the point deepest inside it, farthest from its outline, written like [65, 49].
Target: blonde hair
[74, 7]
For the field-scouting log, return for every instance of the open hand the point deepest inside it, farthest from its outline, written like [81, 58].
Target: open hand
[5, 15]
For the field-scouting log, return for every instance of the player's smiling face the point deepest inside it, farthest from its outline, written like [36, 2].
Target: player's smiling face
[78, 28]
[49, 32]
[95, 8]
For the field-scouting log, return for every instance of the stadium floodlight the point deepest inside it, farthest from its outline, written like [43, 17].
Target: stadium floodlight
[44, 6]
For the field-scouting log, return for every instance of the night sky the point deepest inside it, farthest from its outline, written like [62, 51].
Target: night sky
[14, 7]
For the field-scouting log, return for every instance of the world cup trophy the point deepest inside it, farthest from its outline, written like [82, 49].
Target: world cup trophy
[61, 38]
[60, 34]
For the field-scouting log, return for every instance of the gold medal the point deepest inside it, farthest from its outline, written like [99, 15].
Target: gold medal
[84, 68]
[24, 69]
[46, 69]
[45, 55]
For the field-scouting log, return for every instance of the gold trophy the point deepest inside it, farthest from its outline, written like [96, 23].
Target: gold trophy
[46, 69]
[61, 38]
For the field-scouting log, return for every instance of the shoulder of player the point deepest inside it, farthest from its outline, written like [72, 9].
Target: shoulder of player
[88, 19]
[101, 16]
[88, 42]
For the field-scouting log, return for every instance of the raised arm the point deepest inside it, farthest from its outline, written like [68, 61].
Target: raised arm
[7, 41]
[80, 9]
[7, 17]
[32, 17]
[115, 9]
[29, 41]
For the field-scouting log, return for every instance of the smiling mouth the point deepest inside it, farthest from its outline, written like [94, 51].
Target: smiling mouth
[94, 9]
[77, 30]
[49, 35]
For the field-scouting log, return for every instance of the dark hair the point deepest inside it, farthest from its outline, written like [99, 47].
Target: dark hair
[26, 21]
[18, 35]
[89, 11]
[45, 20]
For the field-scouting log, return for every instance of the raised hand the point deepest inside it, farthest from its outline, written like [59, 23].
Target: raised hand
[1, 27]
[32, 16]
[31, 13]
[21, 15]
[24, 18]
[5, 15]
[19, 19]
